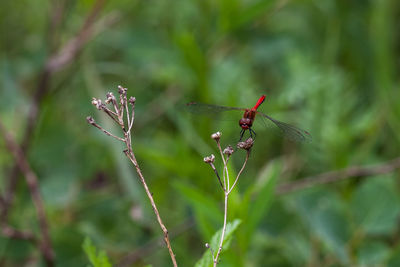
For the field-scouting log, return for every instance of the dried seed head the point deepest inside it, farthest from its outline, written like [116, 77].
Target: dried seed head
[132, 100]
[209, 159]
[90, 119]
[216, 136]
[228, 150]
[110, 97]
[122, 90]
[246, 145]
[97, 103]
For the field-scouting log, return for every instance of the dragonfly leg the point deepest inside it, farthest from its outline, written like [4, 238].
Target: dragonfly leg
[251, 133]
[241, 134]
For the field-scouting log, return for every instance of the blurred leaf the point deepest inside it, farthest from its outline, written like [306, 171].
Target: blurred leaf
[207, 260]
[324, 214]
[372, 254]
[200, 202]
[375, 206]
[263, 199]
[194, 57]
[264, 191]
[96, 258]
[251, 12]
[394, 258]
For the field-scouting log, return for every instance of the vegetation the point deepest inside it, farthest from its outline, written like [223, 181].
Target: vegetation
[70, 197]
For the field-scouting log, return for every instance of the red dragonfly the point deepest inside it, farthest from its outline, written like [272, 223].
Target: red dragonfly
[246, 122]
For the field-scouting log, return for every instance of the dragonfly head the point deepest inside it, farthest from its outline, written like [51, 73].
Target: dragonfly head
[245, 123]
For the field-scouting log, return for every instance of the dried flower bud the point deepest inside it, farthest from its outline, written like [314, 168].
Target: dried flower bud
[90, 119]
[209, 159]
[97, 103]
[246, 144]
[122, 90]
[110, 97]
[228, 150]
[216, 136]
[132, 100]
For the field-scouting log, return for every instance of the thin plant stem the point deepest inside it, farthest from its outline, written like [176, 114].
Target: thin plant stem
[132, 158]
[32, 181]
[339, 175]
[240, 172]
[217, 174]
[225, 170]
[226, 186]
[226, 194]
[92, 122]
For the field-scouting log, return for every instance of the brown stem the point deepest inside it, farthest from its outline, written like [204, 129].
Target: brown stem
[129, 153]
[72, 48]
[91, 121]
[132, 158]
[217, 174]
[225, 174]
[151, 246]
[334, 176]
[10, 232]
[32, 181]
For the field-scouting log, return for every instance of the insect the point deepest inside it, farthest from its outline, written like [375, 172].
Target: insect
[249, 115]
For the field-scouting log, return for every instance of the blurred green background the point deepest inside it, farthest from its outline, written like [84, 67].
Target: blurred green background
[330, 67]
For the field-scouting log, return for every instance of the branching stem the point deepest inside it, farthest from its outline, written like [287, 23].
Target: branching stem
[225, 155]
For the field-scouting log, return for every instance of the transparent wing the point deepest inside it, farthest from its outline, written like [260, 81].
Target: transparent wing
[200, 108]
[291, 132]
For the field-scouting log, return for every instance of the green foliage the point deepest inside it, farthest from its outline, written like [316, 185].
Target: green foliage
[205, 208]
[376, 206]
[207, 260]
[96, 258]
[264, 190]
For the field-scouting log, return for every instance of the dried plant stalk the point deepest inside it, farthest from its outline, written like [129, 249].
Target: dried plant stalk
[121, 107]
[44, 242]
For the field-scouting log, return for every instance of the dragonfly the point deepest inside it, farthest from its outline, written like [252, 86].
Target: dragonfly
[246, 122]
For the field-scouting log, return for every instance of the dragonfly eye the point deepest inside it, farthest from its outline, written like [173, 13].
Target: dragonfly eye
[245, 123]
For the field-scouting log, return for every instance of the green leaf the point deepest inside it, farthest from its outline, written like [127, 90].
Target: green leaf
[207, 260]
[263, 189]
[250, 13]
[372, 254]
[96, 258]
[324, 214]
[200, 201]
[394, 258]
[375, 206]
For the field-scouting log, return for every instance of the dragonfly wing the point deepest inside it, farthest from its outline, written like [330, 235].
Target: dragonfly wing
[291, 132]
[200, 108]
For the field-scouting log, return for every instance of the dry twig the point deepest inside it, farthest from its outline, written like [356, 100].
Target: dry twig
[334, 176]
[32, 181]
[122, 107]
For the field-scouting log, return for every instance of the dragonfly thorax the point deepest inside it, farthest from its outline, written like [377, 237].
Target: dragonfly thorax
[248, 117]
